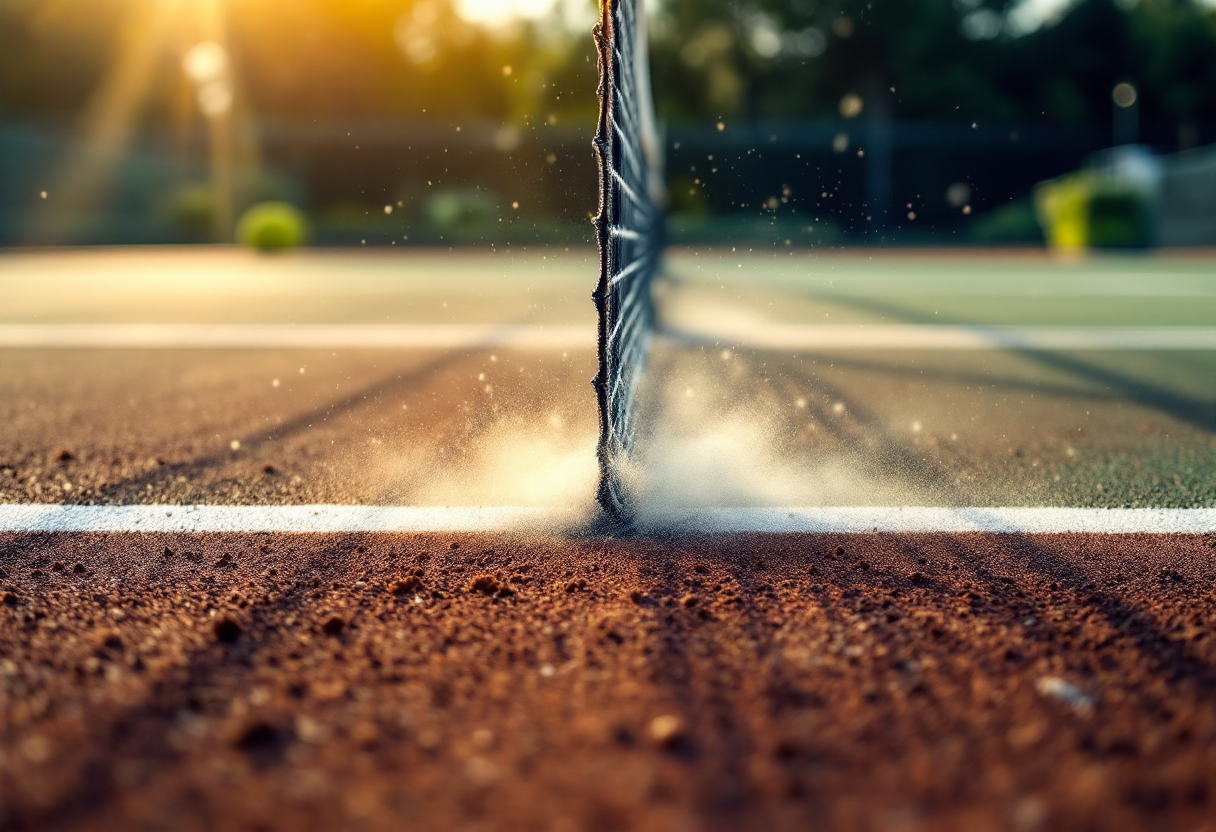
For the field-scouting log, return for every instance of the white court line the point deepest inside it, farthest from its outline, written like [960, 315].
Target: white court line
[31, 518]
[571, 336]
[295, 336]
[930, 337]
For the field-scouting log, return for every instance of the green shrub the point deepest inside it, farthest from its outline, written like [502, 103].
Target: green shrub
[454, 208]
[1081, 210]
[1119, 219]
[1013, 222]
[685, 196]
[738, 228]
[192, 211]
[272, 226]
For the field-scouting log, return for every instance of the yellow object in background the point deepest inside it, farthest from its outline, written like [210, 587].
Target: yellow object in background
[1083, 210]
[1062, 208]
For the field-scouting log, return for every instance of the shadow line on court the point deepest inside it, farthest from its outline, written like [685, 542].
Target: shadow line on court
[292, 427]
[1193, 411]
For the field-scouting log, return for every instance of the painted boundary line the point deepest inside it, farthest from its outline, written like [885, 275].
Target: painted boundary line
[930, 337]
[34, 518]
[294, 336]
[569, 336]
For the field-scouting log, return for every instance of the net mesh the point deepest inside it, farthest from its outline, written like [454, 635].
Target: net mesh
[629, 230]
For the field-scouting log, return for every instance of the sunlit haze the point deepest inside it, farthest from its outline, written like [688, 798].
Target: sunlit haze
[498, 12]
[1030, 14]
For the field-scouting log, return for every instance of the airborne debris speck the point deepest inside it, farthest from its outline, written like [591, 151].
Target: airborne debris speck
[666, 730]
[1066, 692]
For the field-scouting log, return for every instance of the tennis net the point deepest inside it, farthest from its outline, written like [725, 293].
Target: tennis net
[629, 229]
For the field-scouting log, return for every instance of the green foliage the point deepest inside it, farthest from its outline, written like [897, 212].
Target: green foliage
[455, 208]
[712, 58]
[686, 197]
[192, 211]
[316, 76]
[1083, 210]
[1014, 222]
[272, 226]
[325, 59]
[774, 231]
[1119, 218]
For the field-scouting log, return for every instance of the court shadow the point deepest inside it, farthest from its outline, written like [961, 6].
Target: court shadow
[891, 669]
[390, 385]
[814, 679]
[1188, 409]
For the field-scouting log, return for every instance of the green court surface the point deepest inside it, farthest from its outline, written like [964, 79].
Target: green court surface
[228, 285]
[1014, 288]
[731, 424]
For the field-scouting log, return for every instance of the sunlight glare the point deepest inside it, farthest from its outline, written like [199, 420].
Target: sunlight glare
[214, 99]
[500, 12]
[205, 62]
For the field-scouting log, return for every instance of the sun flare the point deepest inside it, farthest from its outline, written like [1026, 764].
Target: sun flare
[502, 12]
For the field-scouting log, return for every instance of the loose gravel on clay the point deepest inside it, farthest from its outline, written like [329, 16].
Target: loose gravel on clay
[490, 682]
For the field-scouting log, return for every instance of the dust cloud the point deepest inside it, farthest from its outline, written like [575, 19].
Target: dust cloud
[714, 440]
[715, 443]
[520, 461]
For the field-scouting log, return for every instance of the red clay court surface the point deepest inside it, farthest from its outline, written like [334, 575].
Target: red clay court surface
[542, 679]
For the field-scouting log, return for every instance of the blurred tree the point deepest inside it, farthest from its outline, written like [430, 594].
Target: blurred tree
[832, 58]
[965, 60]
[866, 63]
[799, 58]
[714, 59]
[51, 55]
[1065, 73]
[315, 59]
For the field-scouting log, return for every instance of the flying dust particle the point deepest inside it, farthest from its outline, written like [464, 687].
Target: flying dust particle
[666, 730]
